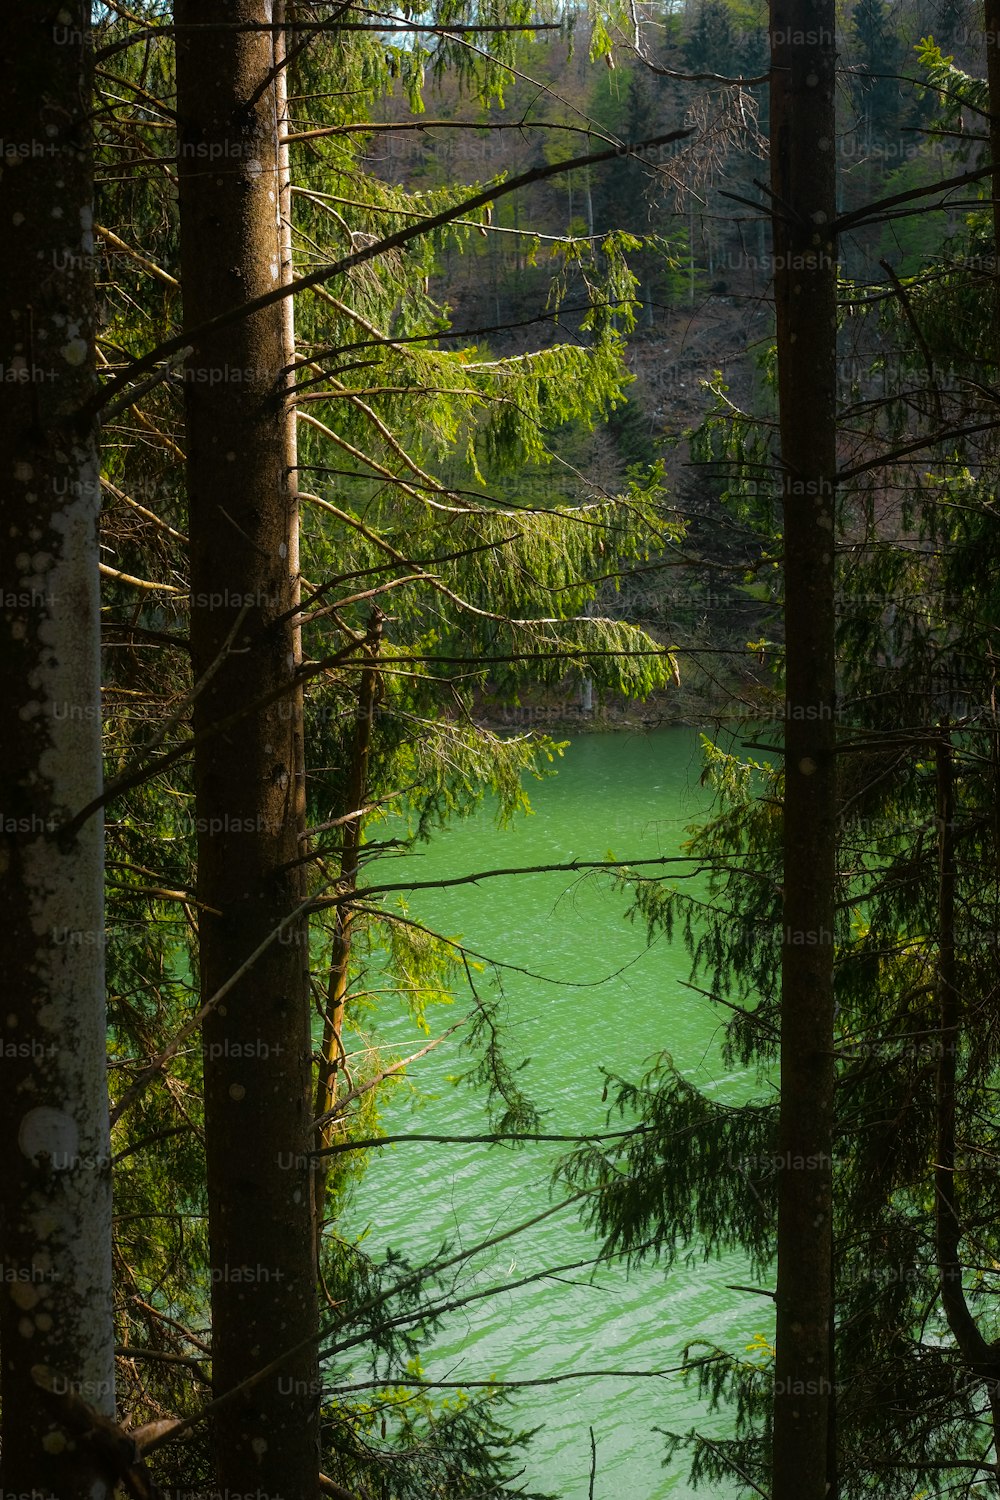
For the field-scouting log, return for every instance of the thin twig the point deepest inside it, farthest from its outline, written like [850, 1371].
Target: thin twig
[572, 865]
[396, 1067]
[472, 1140]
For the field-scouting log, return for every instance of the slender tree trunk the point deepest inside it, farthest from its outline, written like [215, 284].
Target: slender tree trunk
[249, 791]
[55, 1170]
[285, 13]
[979, 1355]
[331, 1064]
[948, 1227]
[803, 142]
[991, 20]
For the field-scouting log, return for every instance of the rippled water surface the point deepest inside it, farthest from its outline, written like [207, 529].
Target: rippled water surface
[631, 795]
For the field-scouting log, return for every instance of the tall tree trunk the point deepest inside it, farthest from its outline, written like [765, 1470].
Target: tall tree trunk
[249, 791]
[803, 141]
[55, 1170]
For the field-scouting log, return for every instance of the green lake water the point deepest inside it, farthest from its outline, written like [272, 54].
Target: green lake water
[631, 795]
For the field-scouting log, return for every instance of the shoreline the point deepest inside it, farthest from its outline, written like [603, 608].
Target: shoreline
[659, 711]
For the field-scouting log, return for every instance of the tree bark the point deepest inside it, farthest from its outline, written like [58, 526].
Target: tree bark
[803, 143]
[248, 781]
[55, 1170]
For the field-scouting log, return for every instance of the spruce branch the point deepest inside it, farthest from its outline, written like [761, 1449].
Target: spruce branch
[196, 336]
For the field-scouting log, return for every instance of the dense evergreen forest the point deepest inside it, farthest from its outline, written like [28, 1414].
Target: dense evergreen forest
[387, 395]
